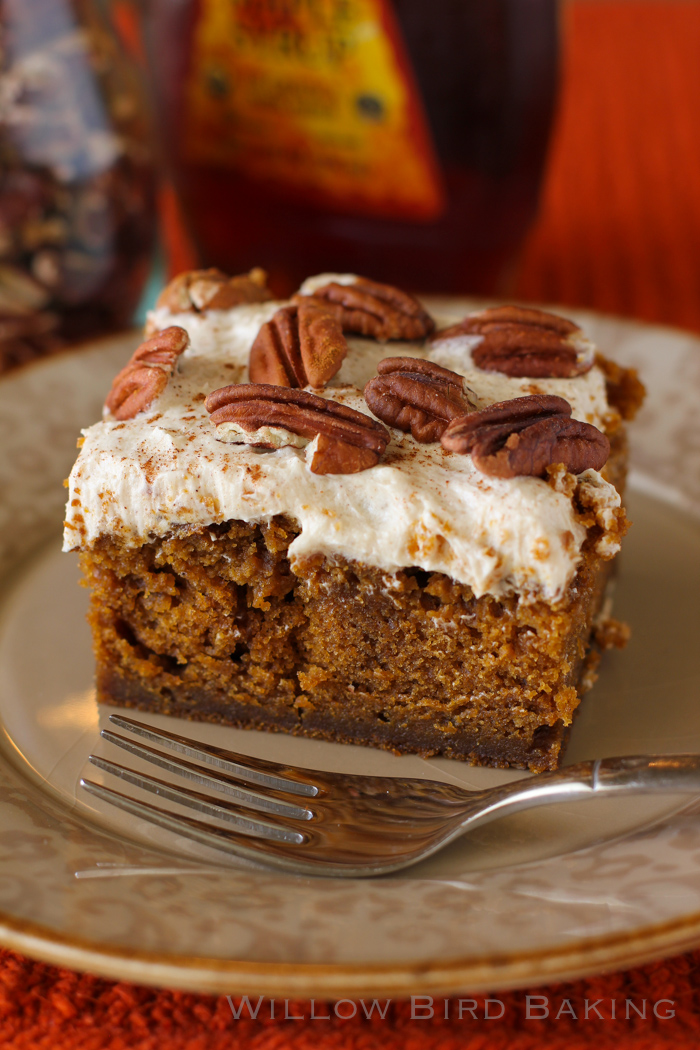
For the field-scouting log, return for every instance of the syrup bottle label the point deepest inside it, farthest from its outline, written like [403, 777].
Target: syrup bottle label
[315, 97]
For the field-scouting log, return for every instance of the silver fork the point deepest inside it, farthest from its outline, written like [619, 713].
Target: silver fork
[316, 823]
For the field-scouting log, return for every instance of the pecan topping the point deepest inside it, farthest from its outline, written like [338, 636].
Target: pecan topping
[374, 309]
[270, 416]
[522, 342]
[416, 395]
[146, 375]
[526, 436]
[198, 290]
[302, 345]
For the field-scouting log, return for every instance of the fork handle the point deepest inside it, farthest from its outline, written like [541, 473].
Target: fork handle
[635, 774]
[674, 773]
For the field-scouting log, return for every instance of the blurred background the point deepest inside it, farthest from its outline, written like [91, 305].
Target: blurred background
[527, 149]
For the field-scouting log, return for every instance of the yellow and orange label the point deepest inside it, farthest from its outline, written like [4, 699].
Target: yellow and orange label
[316, 96]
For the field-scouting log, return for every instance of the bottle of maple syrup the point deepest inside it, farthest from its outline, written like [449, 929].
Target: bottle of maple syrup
[403, 139]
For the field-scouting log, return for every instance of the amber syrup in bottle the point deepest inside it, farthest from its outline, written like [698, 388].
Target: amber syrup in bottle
[395, 138]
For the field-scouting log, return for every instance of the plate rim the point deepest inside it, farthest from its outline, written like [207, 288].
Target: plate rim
[502, 971]
[216, 976]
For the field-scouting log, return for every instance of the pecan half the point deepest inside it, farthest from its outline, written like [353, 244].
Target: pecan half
[417, 396]
[146, 375]
[302, 345]
[348, 441]
[198, 290]
[526, 435]
[374, 309]
[522, 342]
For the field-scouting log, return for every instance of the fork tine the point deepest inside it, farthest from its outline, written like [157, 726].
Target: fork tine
[223, 811]
[217, 781]
[228, 841]
[274, 853]
[254, 770]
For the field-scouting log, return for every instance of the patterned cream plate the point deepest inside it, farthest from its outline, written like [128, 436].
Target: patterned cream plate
[540, 896]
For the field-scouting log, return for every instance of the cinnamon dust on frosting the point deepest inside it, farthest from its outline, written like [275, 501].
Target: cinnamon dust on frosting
[138, 479]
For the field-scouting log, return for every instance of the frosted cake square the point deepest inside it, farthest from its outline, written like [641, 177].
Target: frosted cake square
[340, 517]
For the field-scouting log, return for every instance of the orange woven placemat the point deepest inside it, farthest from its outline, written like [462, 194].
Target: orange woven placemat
[44, 1008]
[619, 230]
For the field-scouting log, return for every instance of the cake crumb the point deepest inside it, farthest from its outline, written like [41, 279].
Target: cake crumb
[559, 478]
[612, 634]
[590, 671]
[309, 679]
[624, 388]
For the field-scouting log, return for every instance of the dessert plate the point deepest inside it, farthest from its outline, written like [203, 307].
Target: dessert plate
[538, 896]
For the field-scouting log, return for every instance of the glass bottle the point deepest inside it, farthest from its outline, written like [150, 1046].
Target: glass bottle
[398, 138]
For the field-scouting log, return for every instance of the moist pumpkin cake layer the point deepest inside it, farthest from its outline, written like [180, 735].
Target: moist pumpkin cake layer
[215, 626]
[324, 517]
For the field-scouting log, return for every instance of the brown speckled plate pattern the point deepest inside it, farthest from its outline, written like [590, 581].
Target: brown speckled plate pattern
[540, 896]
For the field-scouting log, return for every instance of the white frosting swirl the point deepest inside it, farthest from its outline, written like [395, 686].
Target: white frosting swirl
[420, 506]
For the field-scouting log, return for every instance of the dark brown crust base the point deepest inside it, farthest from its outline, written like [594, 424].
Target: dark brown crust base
[400, 737]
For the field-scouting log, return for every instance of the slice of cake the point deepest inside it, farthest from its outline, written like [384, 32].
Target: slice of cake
[338, 517]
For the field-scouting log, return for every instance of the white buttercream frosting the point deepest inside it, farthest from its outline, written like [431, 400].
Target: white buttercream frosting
[420, 506]
[319, 280]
